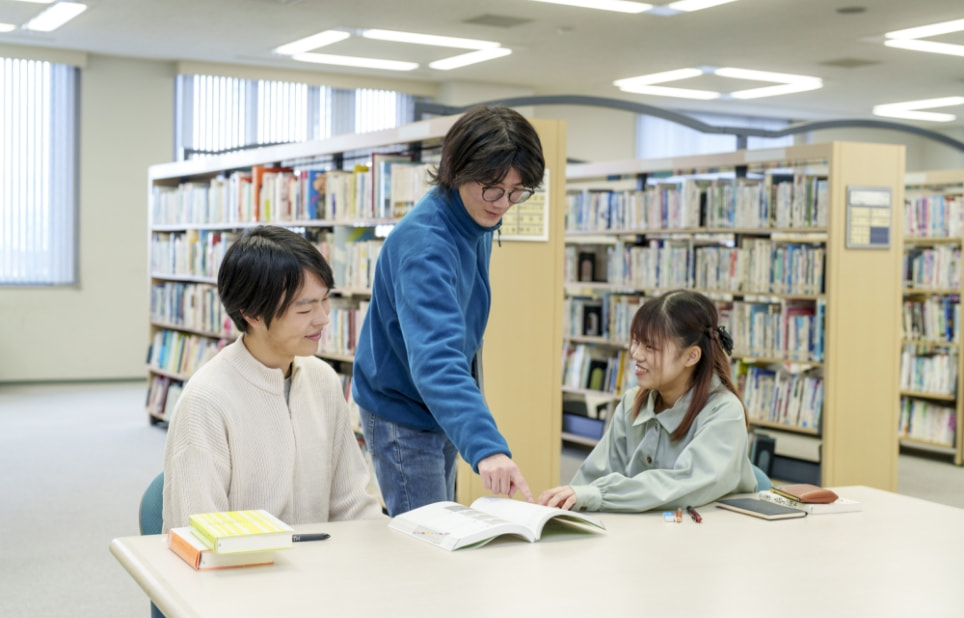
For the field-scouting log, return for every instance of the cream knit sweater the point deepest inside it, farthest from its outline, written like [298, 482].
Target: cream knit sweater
[234, 444]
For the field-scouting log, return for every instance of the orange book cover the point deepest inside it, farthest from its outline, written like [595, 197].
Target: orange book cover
[257, 179]
[193, 551]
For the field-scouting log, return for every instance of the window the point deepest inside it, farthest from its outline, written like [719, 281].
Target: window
[657, 138]
[38, 154]
[216, 114]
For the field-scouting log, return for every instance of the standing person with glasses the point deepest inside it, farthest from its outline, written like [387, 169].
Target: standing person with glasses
[417, 375]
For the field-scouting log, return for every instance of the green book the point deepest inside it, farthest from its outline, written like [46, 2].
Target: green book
[234, 531]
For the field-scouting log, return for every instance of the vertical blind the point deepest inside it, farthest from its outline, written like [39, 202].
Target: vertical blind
[38, 179]
[218, 114]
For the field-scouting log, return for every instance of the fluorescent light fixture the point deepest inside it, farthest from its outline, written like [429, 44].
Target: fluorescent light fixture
[909, 109]
[787, 83]
[644, 84]
[922, 32]
[311, 42]
[658, 78]
[7, 27]
[619, 6]
[427, 39]
[354, 61]
[696, 5]
[909, 38]
[37, 1]
[926, 46]
[665, 91]
[55, 16]
[462, 60]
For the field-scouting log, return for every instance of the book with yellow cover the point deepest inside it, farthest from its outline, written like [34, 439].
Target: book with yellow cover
[234, 531]
[200, 557]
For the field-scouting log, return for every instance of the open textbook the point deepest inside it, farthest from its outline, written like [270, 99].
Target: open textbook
[451, 526]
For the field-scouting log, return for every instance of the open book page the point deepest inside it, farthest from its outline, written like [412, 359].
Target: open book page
[452, 526]
[533, 516]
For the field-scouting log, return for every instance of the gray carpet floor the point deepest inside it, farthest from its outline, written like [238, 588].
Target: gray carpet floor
[76, 459]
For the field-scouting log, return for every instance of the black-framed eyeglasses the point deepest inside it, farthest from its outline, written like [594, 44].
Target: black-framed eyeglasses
[516, 196]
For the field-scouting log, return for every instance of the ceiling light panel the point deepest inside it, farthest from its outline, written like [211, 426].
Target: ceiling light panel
[785, 83]
[312, 42]
[910, 110]
[475, 57]
[55, 16]
[910, 38]
[356, 61]
[427, 39]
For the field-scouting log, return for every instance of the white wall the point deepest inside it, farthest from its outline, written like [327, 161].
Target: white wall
[99, 329]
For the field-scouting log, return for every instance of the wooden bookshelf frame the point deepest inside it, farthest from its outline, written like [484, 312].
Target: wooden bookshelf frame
[930, 183]
[861, 376]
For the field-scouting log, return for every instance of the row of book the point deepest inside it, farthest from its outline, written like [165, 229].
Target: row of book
[192, 253]
[932, 268]
[162, 395]
[179, 353]
[786, 330]
[757, 265]
[344, 327]
[933, 319]
[608, 316]
[784, 201]
[585, 368]
[926, 421]
[928, 370]
[780, 397]
[385, 188]
[192, 306]
[934, 216]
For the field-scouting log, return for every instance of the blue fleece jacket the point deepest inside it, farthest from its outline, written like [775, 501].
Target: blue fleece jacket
[428, 311]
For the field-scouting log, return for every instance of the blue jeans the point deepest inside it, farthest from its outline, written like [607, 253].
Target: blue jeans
[413, 467]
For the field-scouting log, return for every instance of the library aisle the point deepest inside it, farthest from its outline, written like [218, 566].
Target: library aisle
[78, 457]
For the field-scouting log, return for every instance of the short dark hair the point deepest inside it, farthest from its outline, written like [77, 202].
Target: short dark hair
[484, 144]
[263, 270]
[686, 318]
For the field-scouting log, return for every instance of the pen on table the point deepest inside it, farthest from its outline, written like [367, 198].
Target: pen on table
[696, 516]
[318, 536]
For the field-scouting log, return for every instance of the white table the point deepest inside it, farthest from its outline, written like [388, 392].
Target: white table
[900, 556]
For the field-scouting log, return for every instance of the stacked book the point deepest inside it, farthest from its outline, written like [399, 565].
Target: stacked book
[230, 539]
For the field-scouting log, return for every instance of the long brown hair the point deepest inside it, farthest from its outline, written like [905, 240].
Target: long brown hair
[688, 318]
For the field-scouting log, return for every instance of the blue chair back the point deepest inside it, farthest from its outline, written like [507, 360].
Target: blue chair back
[763, 482]
[152, 507]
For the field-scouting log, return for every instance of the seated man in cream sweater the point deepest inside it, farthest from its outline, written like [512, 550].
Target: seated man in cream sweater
[264, 424]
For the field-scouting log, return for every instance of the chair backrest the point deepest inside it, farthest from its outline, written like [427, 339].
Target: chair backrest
[763, 482]
[152, 507]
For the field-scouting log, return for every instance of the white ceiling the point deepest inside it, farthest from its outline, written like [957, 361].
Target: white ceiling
[558, 49]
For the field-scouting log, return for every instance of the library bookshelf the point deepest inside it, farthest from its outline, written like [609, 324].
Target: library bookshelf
[931, 410]
[799, 247]
[197, 208]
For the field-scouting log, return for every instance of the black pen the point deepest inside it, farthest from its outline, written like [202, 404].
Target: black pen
[696, 516]
[318, 536]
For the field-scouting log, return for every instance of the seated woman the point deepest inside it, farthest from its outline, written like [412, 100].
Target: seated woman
[680, 437]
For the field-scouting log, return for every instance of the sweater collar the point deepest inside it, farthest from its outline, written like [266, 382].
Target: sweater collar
[453, 209]
[254, 371]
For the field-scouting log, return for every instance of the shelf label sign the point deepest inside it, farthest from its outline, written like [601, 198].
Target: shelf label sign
[869, 217]
[529, 221]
